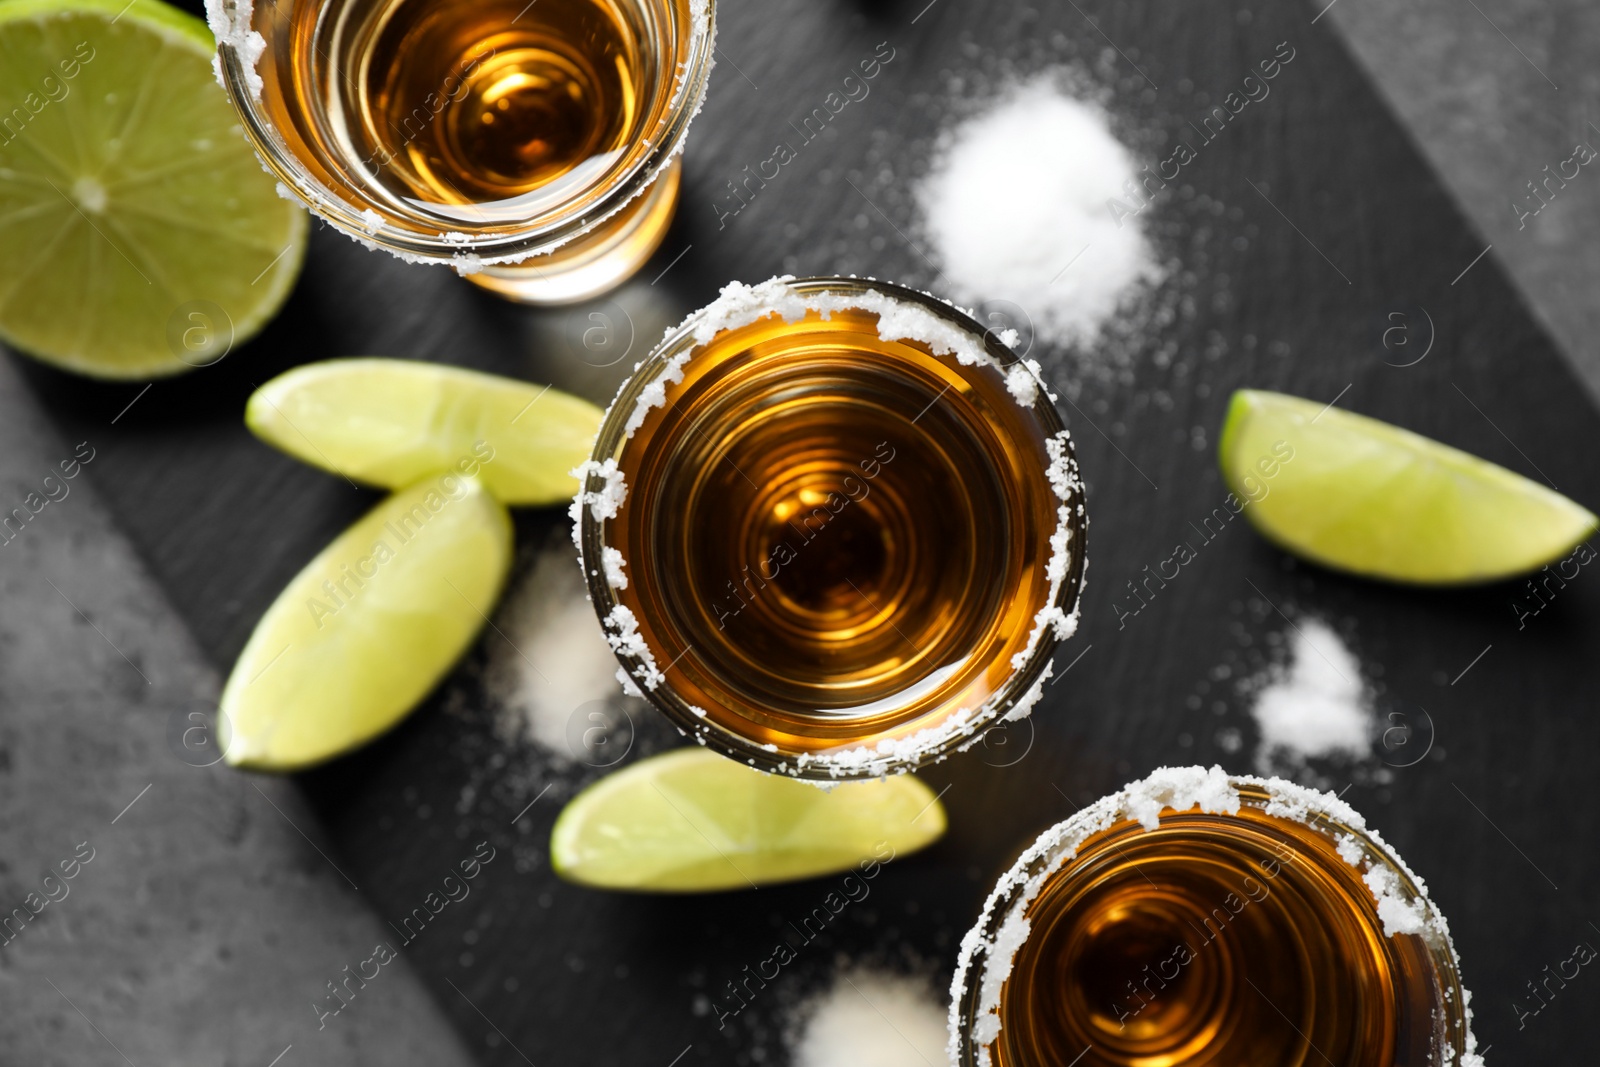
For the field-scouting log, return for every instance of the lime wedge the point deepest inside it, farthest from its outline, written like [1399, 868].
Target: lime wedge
[142, 237]
[387, 422]
[361, 635]
[691, 820]
[1361, 495]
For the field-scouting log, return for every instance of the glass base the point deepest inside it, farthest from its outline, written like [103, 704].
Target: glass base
[596, 262]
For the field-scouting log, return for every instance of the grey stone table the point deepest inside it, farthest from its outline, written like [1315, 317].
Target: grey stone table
[202, 919]
[1495, 91]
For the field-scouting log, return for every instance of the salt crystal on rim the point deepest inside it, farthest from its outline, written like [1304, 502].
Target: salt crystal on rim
[612, 560]
[1025, 703]
[741, 305]
[622, 632]
[230, 25]
[605, 502]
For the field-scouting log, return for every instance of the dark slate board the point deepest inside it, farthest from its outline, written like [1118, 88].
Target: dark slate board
[1496, 817]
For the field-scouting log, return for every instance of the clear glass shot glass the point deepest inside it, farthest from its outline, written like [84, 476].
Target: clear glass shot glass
[534, 145]
[833, 528]
[1265, 927]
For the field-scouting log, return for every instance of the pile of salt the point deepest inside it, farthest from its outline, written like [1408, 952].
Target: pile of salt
[1016, 207]
[554, 659]
[1314, 708]
[871, 1019]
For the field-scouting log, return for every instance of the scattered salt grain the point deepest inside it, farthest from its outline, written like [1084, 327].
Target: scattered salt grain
[1316, 706]
[870, 1019]
[1016, 206]
[555, 658]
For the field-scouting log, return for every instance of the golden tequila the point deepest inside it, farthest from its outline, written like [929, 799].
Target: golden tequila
[475, 130]
[834, 539]
[1227, 940]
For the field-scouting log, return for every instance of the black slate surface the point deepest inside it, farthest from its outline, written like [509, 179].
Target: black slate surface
[1287, 285]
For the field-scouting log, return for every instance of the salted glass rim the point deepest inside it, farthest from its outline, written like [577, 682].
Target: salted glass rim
[590, 535]
[1057, 846]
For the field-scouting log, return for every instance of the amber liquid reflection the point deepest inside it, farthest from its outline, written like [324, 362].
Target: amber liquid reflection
[832, 538]
[1224, 941]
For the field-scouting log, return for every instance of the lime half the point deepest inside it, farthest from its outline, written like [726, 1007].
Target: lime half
[1361, 495]
[363, 633]
[139, 236]
[387, 422]
[691, 820]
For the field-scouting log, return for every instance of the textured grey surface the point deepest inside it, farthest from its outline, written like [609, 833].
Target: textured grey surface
[204, 924]
[1494, 91]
